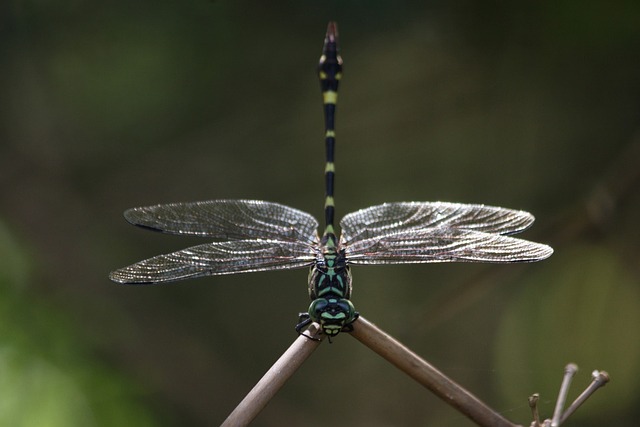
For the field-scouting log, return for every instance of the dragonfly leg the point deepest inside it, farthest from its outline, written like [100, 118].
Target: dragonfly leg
[303, 320]
[349, 327]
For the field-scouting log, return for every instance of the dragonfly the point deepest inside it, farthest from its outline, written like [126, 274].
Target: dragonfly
[254, 235]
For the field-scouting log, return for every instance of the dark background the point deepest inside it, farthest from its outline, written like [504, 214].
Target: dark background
[530, 105]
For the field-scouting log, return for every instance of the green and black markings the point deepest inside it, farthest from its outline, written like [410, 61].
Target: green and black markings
[330, 277]
[256, 235]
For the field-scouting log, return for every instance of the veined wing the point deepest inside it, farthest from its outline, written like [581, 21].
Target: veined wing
[390, 218]
[228, 220]
[241, 256]
[444, 244]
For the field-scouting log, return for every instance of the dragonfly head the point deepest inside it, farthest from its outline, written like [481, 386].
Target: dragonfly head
[332, 314]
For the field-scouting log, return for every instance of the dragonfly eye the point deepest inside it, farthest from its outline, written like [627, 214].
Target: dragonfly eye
[347, 307]
[316, 308]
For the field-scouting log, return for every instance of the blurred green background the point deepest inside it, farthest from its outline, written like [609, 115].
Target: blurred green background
[531, 105]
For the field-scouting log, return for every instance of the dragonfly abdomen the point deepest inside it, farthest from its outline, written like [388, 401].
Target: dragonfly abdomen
[330, 72]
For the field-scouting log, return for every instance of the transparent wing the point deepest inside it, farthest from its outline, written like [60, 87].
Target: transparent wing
[390, 218]
[444, 244]
[217, 258]
[228, 220]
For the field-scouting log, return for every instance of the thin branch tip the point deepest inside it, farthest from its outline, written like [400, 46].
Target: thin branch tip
[601, 377]
[598, 380]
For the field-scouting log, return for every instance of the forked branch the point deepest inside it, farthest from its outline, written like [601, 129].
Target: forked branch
[421, 371]
[275, 378]
[411, 364]
[599, 379]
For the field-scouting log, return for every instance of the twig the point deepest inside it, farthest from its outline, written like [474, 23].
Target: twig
[600, 378]
[569, 372]
[421, 371]
[412, 365]
[533, 404]
[274, 379]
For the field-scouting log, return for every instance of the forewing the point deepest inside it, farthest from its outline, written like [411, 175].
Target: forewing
[392, 218]
[217, 258]
[444, 245]
[228, 220]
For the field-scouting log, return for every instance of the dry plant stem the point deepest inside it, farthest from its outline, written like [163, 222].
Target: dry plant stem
[600, 378]
[533, 404]
[418, 369]
[273, 380]
[569, 371]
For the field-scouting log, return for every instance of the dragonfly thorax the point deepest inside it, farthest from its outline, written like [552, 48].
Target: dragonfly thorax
[330, 290]
[330, 277]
